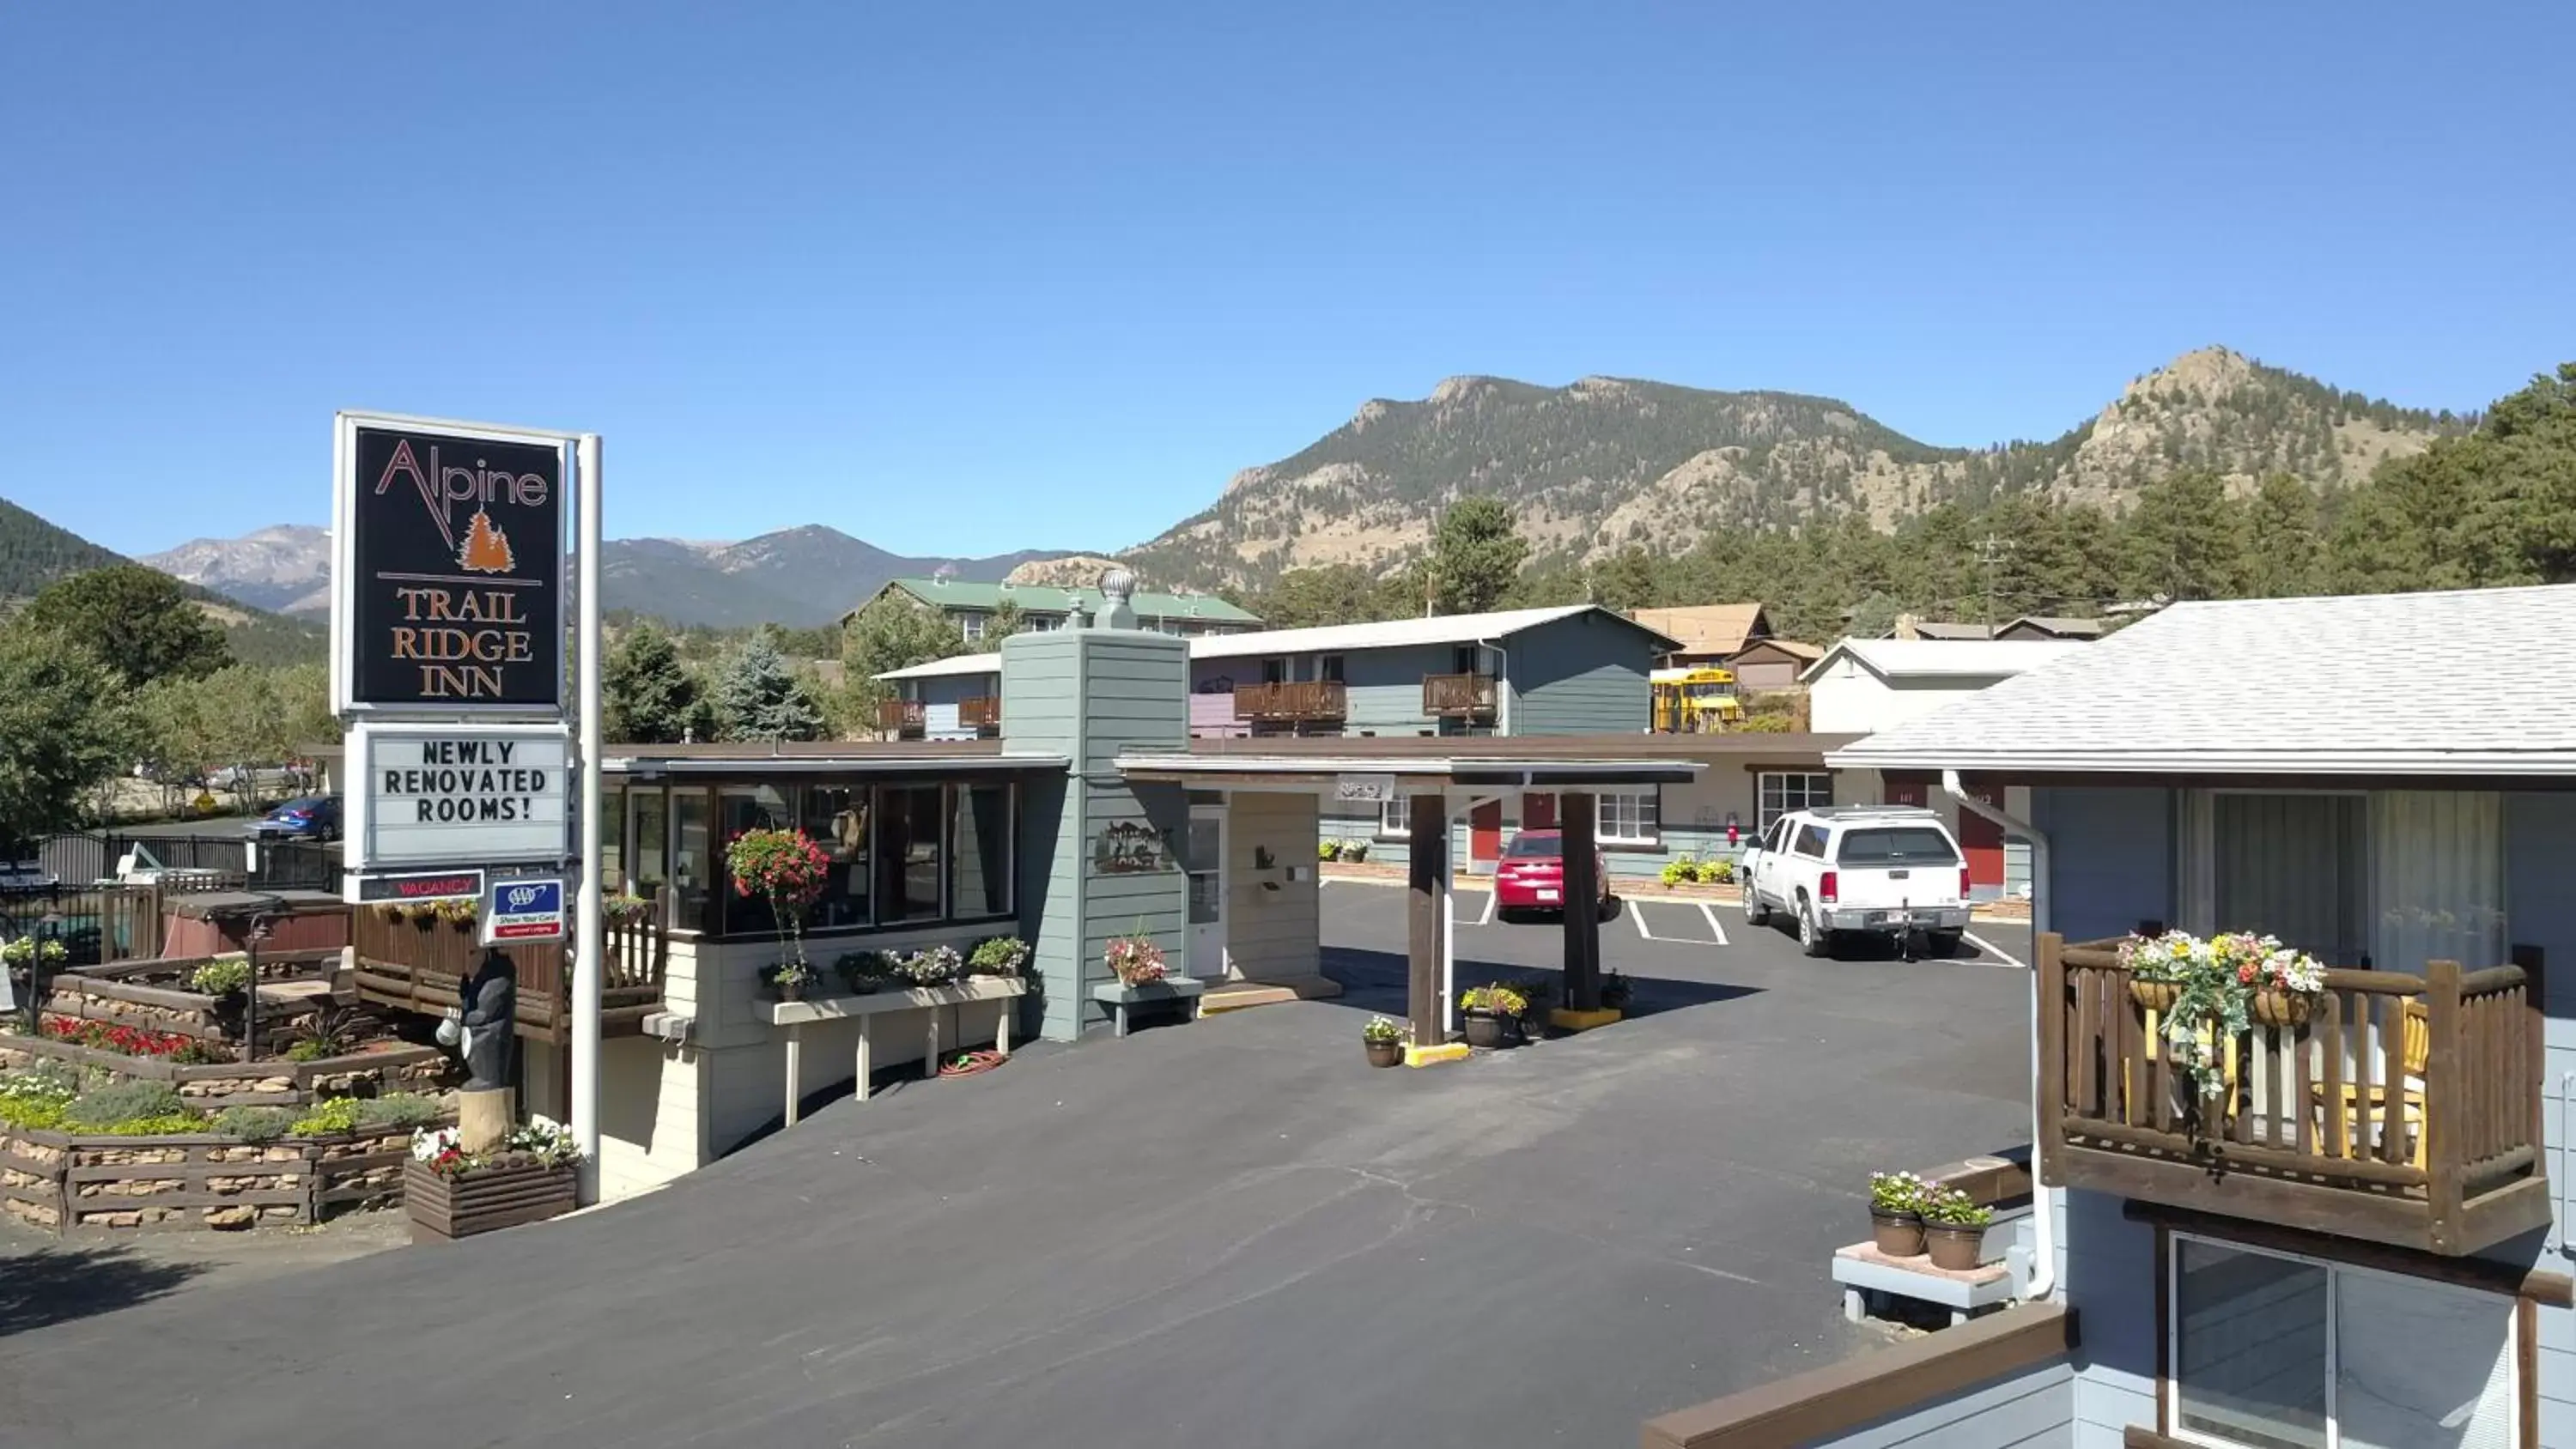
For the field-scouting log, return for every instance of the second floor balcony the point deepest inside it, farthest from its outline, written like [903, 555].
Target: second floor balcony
[1311, 701]
[1461, 696]
[911, 719]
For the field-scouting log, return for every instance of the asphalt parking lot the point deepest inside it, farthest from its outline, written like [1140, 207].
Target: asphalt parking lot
[1223, 1232]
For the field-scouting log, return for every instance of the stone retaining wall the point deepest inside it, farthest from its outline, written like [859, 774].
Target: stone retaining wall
[65, 1182]
[272, 1083]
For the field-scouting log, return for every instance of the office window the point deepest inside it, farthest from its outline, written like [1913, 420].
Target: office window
[1394, 818]
[741, 808]
[693, 869]
[981, 840]
[836, 818]
[612, 841]
[1778, 792]
[908, 849]
[1631, 817]
[1277, 671]
[1329, 668]
[2278, 1352]
[650, 873]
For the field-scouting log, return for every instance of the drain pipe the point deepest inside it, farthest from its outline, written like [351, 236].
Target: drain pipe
[1502, 685]
[2043, 1273]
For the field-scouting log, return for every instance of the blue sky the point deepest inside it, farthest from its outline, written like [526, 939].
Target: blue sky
[962, 278]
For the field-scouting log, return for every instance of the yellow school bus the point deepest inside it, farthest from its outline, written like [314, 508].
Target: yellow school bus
[1694, 701]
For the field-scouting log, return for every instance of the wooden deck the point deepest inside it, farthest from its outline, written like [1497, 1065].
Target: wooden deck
[417, 966]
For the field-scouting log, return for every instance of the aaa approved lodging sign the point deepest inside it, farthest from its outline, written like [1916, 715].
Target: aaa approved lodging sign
[461, 794]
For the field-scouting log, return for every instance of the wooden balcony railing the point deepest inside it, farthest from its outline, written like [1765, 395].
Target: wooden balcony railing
[1302, 702]
[899, 716]
[1465, 696]
[982, 712]
[2401, 1109]
[418, 965]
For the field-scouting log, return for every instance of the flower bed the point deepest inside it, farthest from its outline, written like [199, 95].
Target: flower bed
[162, 996]
[450, 1193]
[390, 1068]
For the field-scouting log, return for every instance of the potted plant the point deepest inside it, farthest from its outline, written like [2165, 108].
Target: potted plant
[1328, 851]
[864, 971]
[1616, 991]
[2158, 966]
[1384, 1039]
[1002, 956]
[786, 869]
[790, 979]
[1135, 960]
[2285, 983]
[1896, 1203]
[1954, 1229]
[1491, 1012]
[226, 979]
[1355, 852]
[461, 912]
[936, 966]
[623, 909]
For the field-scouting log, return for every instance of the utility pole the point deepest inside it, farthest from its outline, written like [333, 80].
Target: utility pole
[1990, 551]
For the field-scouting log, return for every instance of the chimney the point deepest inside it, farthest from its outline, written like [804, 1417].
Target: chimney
[1905, 627]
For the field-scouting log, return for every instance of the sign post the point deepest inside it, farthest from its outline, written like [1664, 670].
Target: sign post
[589, 938]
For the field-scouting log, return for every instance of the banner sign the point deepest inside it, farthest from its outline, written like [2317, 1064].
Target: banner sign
[460, 795]
[521, 909]
[449, 578]
[422, 886]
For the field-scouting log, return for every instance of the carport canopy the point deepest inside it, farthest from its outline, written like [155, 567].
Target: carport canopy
[1424, 771]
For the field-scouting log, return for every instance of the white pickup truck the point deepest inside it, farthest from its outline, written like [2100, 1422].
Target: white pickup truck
[1882, 870]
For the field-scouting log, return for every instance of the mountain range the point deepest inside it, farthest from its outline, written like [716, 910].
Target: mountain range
[1589, 468]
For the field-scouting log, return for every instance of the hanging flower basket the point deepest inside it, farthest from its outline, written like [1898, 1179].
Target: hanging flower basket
[786, 869]
[2274, 1007]
[2156, 996]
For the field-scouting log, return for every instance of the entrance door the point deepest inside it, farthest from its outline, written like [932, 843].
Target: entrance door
[1205, 864]
[1485, 836]
[1983, 840]
[1538, 812]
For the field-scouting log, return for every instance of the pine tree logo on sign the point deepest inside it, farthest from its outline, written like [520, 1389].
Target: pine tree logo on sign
[487, 549]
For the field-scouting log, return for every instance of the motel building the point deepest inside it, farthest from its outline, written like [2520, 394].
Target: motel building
[1092, 811]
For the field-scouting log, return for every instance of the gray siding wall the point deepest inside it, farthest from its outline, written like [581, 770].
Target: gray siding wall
[1584, 675]
[2540, 910]
[2110, 858]
[2025, 1411]
[1384, 686]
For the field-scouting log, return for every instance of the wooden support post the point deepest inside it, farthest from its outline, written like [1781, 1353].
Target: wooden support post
[2445, 1086]
[2534, 1082]
[2050, 982]
[1428, 858]
[1576, 817]
[484, 1116]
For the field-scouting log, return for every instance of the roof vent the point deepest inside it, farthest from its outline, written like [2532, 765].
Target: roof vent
[1118, 592]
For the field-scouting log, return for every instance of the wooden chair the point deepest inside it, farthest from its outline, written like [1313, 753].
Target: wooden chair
[2416, 1045]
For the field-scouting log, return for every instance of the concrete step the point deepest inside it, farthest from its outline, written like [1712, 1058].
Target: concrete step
[1242, 995]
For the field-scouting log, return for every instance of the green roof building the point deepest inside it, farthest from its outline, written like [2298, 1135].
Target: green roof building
[971, 606]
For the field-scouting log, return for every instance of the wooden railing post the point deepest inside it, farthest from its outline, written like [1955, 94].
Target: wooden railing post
[2534, 1083]
[2049, 1091]
[2444, 1097]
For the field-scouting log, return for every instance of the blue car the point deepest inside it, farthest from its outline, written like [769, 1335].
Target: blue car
[307, 817]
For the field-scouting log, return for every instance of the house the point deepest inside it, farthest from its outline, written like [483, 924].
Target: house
[957, 698]
[1771, 664]
[2352, 1232]
[1865, 686]
[971, 606]
[2047, 626]
[1706, 635]
[1909, 627]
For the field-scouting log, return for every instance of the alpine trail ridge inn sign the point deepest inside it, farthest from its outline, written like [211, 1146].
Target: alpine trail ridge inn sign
[455, 555]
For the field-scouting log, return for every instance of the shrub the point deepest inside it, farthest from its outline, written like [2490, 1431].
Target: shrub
[23, 950]
[1681, 871]
[1717, 872]
[1328, 850]
[864, 970]
[202, 1054]
[999, 956]
[340, 1114]
[221, 976]
[133, 1041]
[306, 1050]
[1497, 999]
[122, 1105]
[36, 1097]
[1617, 991]
[402, 1109]
[1355, 851]
[327, 1031]
[255, 1124]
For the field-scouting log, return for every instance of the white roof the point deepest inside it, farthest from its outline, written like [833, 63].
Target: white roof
[952, 665]
[1946, 658]
[1396, 633]
[2281, 686]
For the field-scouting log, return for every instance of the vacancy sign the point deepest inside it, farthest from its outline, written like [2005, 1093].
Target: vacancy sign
[429, 795]
[523, 909]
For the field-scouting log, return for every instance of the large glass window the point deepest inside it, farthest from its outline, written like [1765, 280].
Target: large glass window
[1395, 818]
[1781, 791]
[836, 817]
[908, 853]
[982, 844]
[2277, 1352]
[743, 808]
[651, 871]
[1631, 817]
[693, 872]
[612, 842]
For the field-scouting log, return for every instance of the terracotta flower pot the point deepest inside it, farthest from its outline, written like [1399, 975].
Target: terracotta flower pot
[2154, 995]
[2274, 1007]
[1487, 1031]
[1898, 1235]
[1954, 1246]
[790, 989]
[1384, 1053]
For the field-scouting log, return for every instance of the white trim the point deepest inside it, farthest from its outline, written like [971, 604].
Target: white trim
[2535, 763]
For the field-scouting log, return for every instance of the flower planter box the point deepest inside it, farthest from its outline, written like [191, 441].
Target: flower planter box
[1121, 998]
[485, 1200]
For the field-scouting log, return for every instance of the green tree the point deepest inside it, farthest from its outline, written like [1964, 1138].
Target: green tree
[66, 726]
[759, 696]
[1476, 553]
[1007, 619]
[1629, 579]
[648, 694]
[138, 621]
[1328, 594]
[2186, 538]
[2282, 540]
[893, 632]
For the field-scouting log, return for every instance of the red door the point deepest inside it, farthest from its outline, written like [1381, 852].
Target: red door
[1485, 835]
[1538, 812]
[1983, 840]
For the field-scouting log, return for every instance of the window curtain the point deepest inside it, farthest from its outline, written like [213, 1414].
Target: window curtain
[2438, 859]
[2291, 866]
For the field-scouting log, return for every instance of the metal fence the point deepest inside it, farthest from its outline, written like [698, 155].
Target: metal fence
[76, 860]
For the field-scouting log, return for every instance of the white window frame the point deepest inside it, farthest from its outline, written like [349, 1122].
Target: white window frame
[1398, 807]
[1764, 812]
[971, 625]
[1604, 832]
[2172, 1330]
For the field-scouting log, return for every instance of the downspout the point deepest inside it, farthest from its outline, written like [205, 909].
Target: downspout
[2043, 1273]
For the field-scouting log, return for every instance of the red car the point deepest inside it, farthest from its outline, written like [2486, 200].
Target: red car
[1531, 877]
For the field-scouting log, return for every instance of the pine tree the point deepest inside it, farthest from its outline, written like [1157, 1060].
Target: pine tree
[1476, 553]
[649, 695]
[760, 697]
[2281, 540]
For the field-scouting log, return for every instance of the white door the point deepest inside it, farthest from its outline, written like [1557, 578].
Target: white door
[1205, 863]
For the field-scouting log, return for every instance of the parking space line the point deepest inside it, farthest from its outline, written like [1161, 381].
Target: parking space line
[1637, 913]
[1714, 929]
[1487, 918]
[1991, 949]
